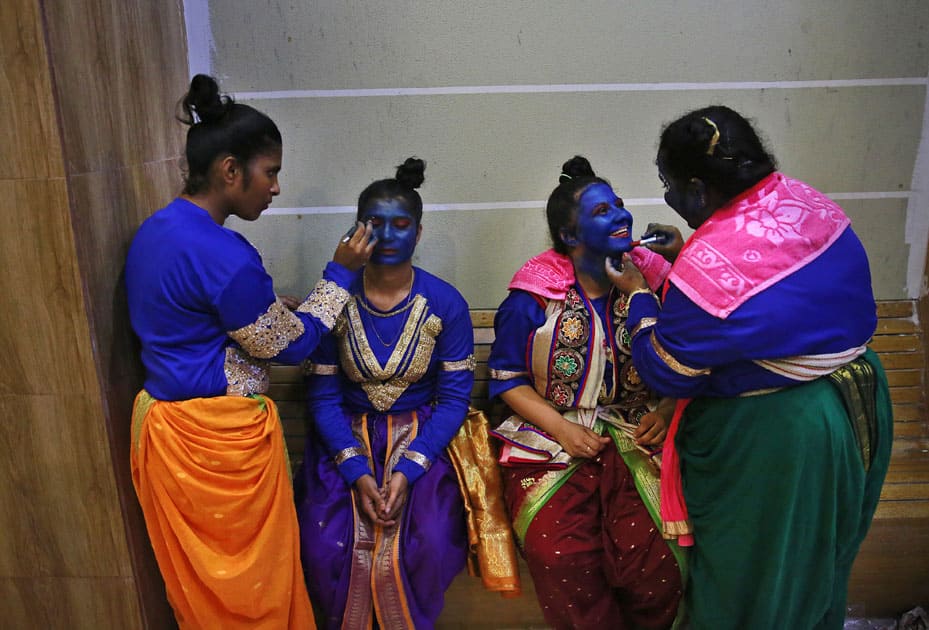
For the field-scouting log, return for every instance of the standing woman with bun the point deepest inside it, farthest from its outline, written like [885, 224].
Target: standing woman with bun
[208, 457]
[381, 514]
[783, 425]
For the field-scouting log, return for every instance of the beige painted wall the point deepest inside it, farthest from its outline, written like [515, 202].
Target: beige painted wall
[340, 79]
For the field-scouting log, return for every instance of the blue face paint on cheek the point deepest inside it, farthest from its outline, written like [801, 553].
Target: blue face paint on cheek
[395, 229]
[604, 226]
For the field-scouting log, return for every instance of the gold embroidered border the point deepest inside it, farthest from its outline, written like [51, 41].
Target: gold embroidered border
[325, 302]
[347, 453]
[645, 322]
[643, 292]
[359, 608]
[760, 392]
[321, 369]
[358, 339]
[505, 375]
[418, 458]
[272, 332]
[384, 385]
[673, 363]
[390, 598]
[468, 363]
[245, 375]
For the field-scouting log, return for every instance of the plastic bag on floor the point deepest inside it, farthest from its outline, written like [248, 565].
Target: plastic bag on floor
[916, 619]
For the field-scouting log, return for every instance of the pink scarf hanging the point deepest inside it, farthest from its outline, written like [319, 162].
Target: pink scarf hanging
[675, 520]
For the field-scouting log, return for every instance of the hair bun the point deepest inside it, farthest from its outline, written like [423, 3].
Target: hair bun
[203, 102]
[578, 166]
[702, 131]
[412, 173]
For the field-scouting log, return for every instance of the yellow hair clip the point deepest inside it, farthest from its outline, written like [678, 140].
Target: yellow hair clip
[715, 139]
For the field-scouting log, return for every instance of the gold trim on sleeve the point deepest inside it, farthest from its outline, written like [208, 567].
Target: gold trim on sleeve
[673, 363]
[505, 375]
[325, 302]
[321, 369]
[347, 453]
[245, 375]
[273, 331]
[644, 292]
[418, 458]
[468, 363]
[645, 322]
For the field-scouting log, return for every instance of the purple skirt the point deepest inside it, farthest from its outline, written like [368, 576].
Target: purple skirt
[431, 545]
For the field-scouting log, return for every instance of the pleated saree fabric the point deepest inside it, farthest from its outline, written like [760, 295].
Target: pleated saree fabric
[212, 477]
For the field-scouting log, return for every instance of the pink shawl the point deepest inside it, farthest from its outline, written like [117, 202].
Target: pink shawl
[760, 237]
[551, 274]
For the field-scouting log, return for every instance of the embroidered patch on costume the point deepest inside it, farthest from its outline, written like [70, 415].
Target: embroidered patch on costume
[567, 364]
[573, 330]
[629, 378]
[325, 302]
[245, 375]
[273, 331]
[621, 307]
[562, 395]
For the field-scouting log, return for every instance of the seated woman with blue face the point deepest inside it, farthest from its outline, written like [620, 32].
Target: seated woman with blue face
[579, 452]
[381, 515]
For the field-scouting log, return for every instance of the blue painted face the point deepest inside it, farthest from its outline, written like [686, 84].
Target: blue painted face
[395, 229]
[604, 226]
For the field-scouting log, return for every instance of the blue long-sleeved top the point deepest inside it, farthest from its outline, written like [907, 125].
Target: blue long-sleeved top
[826, 306]
[515, 323]
[445, 385]
[205, 310]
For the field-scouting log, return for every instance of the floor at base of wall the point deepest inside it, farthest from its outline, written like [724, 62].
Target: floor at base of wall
[916, 619]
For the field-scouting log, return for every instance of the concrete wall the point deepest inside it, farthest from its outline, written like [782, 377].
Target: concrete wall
[495, 96]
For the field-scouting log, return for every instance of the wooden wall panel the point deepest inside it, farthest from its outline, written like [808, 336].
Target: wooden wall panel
[40, 319]
[63, 547]
[89, 149]
[68, 603]
[119, 69]
[62, 517]
[29, 146]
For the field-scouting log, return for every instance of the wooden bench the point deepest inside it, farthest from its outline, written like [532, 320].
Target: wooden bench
[891, 574]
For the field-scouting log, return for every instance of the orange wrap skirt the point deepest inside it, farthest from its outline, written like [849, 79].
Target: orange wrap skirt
[212, 477]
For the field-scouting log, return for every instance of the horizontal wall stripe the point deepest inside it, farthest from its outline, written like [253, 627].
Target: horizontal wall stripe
[531, 205]
[575, 88]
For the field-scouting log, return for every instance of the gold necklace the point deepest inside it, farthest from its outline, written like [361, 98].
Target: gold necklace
[362, 300]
